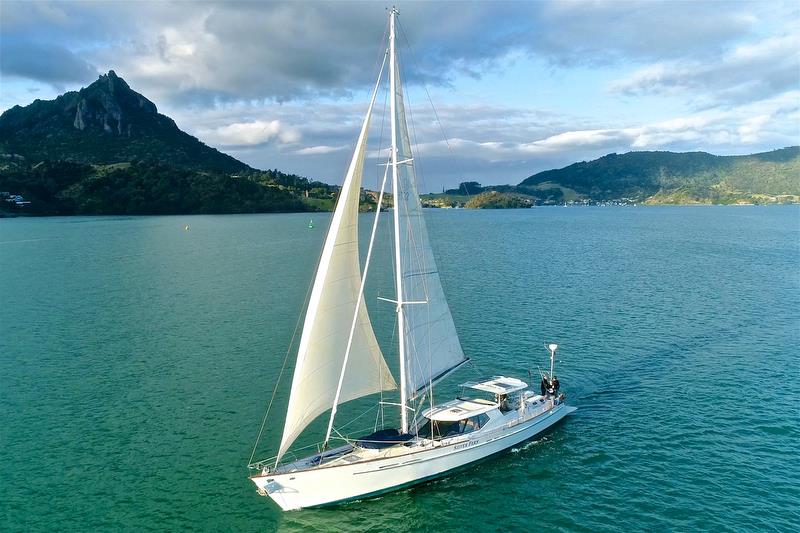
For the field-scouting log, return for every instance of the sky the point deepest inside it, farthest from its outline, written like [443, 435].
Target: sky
[498, 90]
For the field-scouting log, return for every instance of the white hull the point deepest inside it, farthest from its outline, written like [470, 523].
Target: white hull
[397, 467]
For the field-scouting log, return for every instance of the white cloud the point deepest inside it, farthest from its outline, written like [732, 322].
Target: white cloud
[318, 150]
[746, 73]
[287, 50]
[717, 130]
[750, 130]
[250, 133]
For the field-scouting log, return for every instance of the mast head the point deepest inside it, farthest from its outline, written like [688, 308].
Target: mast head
[552, 347]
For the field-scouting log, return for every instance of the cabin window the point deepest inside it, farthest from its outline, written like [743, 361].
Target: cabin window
[474, 423]
[440, 429]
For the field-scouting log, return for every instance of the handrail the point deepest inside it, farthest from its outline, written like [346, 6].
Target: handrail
[265, 463]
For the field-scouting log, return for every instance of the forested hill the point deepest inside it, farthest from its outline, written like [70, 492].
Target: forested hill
[107, 150]
[644, 178]
[105, 123]
[669, 177]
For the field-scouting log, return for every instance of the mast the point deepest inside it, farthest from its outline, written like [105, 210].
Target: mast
[396, 211]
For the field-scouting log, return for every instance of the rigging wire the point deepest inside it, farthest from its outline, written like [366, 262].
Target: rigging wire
[414, 247]
[421, 173]
[453, 158]
[283, 367]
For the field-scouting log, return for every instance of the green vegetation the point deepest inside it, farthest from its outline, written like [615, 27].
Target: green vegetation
[444, 200]
[466, 188]
[105, 123]
[106, 150]
[499, 200]
[142, 188]
[667, 177]
[645, 177]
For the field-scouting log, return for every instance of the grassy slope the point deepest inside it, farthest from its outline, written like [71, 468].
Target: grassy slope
[666, 177]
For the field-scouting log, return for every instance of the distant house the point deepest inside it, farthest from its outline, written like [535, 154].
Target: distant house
[14, 199]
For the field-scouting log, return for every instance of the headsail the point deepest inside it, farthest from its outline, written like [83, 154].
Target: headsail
[329, 318]
[432, 346]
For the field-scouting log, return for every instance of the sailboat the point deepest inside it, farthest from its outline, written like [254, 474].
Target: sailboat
[339, 358]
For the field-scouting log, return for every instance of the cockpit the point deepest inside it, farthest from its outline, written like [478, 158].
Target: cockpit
[456, 417]
[465, 415]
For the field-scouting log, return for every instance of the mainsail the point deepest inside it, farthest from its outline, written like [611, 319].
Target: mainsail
[432, 347]
[329, 317]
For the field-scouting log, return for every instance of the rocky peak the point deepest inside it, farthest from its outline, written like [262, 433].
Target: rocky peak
[103, 123]
[111, 105]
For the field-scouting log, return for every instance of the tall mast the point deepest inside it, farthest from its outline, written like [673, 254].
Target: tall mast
[396, 193]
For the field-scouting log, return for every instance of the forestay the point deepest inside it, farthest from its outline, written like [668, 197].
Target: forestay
[329, 319]
[432, 345]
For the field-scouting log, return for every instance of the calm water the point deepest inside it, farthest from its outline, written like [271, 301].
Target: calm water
[136, 359]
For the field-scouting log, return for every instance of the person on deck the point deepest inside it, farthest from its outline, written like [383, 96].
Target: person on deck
[545, 385]
[503, 401]
[556, 384]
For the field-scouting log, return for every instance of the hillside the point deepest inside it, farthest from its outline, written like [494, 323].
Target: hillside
[107, 150]
[668, 177]
[644, 178]
[498, 200]
[105, 123]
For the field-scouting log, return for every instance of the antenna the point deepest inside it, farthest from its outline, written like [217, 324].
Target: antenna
[552, 347]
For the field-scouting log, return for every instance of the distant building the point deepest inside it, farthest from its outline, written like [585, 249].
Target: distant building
[14, 199]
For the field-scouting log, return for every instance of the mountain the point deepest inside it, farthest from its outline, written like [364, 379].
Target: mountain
[107, 150]
[105, 123]
[644, 177]
[669, 177]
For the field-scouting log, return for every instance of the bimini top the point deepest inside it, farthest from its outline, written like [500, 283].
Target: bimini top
[459, 409]
[497, 385]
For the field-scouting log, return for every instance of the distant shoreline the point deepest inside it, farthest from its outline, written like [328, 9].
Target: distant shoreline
[6, 215]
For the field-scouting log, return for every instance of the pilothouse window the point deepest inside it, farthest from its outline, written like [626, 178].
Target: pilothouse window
[440, 429]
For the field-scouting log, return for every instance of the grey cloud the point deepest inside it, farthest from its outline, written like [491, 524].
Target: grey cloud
[328, 132]
[572, 32]
[48, 63]
[204, 52]
[750, 72]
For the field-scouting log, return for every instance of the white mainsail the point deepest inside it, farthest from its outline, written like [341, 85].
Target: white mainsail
[329, 318]
[432, 347]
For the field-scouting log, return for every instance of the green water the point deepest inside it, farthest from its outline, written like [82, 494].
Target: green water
[136, 360]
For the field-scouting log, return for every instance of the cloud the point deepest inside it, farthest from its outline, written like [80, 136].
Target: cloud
[289, 50]
[494, 144]
[603, 32]
[712, 130]
[318, 150]
[747, 72]
[45, 62]
[250, 133]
